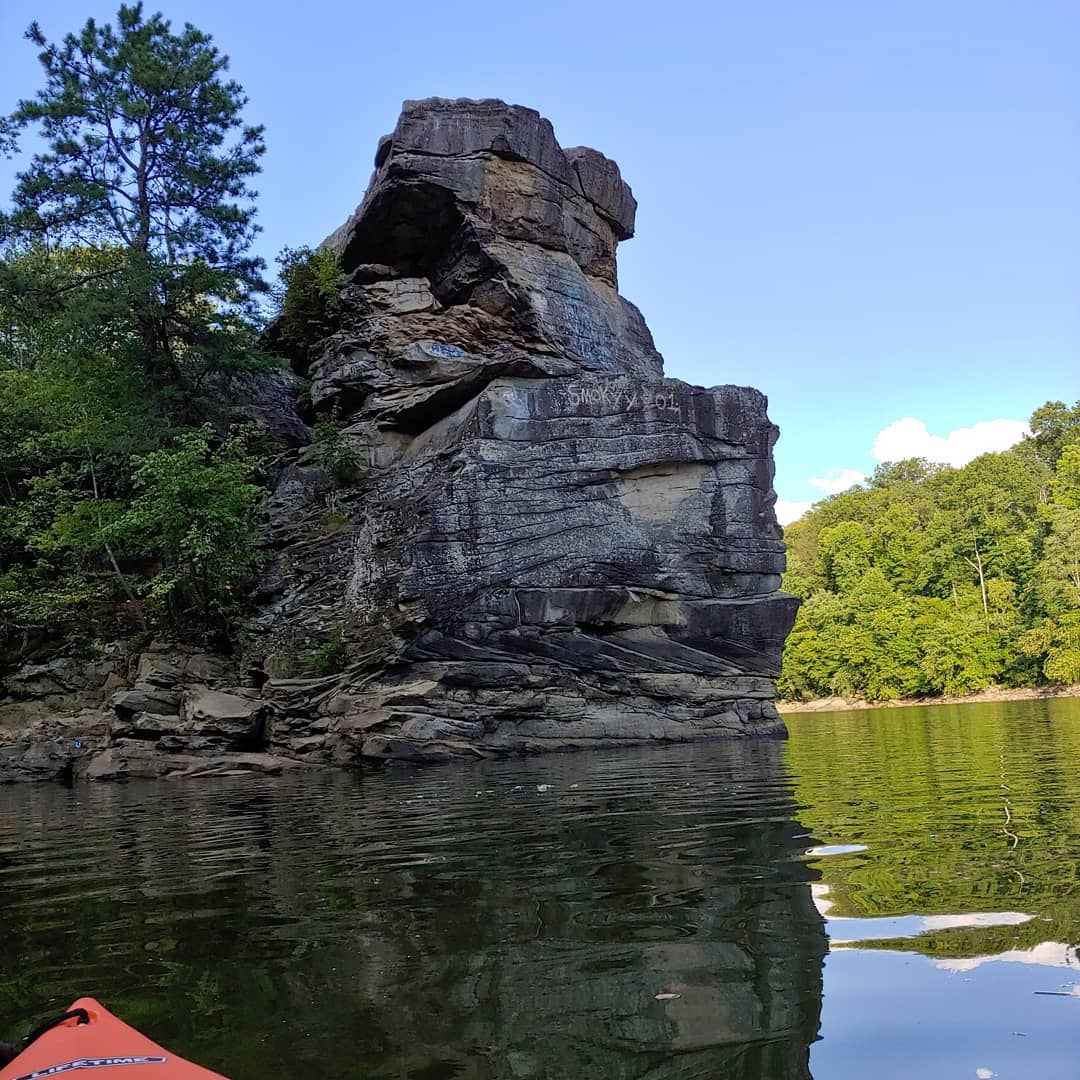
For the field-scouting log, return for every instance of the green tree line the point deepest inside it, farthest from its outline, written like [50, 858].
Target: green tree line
[932, 580]
[129, 297]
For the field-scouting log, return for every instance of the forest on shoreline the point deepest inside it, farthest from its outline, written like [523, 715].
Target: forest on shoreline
[929, 580]
[132, 309]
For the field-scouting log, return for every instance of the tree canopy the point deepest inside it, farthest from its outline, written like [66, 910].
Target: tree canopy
[128, 293]
[146, 154]
[936, 580]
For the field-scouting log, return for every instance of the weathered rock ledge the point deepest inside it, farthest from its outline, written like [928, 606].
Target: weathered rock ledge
[542, 544]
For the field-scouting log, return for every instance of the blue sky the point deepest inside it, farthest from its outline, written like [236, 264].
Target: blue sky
[869, 211]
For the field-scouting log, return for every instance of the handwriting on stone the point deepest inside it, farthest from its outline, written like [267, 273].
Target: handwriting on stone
[627, 398]
[448, 352]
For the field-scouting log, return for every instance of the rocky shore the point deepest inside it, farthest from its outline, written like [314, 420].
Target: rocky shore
[991, 693]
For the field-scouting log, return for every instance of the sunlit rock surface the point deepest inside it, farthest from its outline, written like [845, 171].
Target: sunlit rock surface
[548, 544]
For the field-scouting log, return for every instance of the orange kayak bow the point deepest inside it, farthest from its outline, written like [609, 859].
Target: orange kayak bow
[88, 1037]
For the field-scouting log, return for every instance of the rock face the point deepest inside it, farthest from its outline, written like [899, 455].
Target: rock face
[523, 537]
[546, 544]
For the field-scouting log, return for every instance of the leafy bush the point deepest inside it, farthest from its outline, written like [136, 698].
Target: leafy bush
[335, 454]
[196, 516]
[330, 657]
[308, 299]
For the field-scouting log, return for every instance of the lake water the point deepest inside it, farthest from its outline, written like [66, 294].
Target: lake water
[892, 893]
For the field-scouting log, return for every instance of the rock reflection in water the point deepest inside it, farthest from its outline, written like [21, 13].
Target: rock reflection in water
[624, 915]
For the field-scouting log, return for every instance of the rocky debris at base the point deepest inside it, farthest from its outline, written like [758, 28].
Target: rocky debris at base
[162, 725]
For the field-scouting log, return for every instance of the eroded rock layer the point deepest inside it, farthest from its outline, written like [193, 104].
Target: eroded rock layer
[523, 537]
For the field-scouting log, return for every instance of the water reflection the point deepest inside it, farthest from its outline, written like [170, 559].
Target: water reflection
[1046, 954]
[957, 828]
[655, 914]
[950, 858]
[625, 915]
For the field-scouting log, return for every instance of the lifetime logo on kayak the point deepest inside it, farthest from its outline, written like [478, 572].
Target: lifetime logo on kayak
[92, 1063]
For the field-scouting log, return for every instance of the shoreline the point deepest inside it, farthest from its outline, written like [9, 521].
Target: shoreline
[991, 693]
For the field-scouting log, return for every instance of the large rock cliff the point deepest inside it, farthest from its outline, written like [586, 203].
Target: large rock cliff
[540, 542]
[548, 544]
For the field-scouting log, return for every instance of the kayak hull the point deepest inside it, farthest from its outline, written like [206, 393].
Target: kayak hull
[103, 1048]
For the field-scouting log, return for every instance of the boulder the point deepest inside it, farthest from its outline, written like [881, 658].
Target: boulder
[145, 697]
[53, 747]
[236, 721]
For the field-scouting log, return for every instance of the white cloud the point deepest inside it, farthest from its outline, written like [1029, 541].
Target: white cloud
[838, 480]
[909, 438]
[787, 510]
[1047, 954]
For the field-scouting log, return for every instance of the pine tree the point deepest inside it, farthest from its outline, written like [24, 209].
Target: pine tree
[127, 293]
[146, 152]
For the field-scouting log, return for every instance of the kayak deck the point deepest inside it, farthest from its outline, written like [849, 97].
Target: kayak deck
[94, 1039]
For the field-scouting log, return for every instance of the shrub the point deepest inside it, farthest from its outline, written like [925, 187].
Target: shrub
[330, 657]
[196, 515]
[335, 454]
[308, 296]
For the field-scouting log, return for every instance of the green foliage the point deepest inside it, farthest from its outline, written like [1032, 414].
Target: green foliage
[127, 296]
[1053, 427]
[933, 580]
[146, 156]
[334, 453]
[330, 657]
[308, 298]
[195, 517]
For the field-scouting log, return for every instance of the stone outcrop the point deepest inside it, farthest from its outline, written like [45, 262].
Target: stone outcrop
[546, 544]
[524, 537]
[147, 716]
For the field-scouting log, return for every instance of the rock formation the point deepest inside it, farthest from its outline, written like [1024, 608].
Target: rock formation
[540, 542]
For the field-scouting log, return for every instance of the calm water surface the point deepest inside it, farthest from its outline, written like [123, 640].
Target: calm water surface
[890, 894]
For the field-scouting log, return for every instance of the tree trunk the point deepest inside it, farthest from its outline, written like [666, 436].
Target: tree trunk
[136, 606]
[977, 563]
